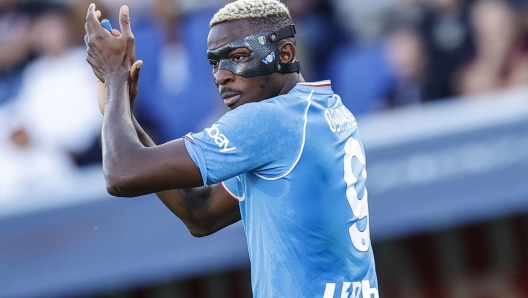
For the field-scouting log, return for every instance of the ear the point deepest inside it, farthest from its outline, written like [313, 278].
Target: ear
[287, 52]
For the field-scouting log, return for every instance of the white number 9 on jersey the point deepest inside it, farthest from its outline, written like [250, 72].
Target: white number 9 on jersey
[356, 193]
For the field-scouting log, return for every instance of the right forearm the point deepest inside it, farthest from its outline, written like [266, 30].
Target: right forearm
[144, 138]
[204, 210]
[190, 206]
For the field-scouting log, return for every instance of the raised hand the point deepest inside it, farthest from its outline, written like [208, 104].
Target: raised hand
[109, 54]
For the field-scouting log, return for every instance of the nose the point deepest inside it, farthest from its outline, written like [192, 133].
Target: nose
[223, 77]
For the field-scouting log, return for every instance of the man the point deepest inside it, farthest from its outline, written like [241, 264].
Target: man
[289, 153]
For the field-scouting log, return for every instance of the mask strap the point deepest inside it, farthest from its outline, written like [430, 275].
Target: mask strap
[288, 31]
[288, 67]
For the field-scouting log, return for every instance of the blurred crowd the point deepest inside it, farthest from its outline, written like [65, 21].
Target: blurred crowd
[379, 54]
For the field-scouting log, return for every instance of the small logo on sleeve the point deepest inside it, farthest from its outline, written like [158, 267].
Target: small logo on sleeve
[219, 138]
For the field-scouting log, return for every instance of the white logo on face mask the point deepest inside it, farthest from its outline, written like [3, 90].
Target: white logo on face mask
[269, 58]
[219, 138]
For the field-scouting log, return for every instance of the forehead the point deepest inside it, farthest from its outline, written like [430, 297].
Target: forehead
[224, 33]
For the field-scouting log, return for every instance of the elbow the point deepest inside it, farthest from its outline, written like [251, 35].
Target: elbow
[114, 180]
[199, 233]
[117, 185]
[199, 228]
[124, 179]
[123, 176]
[114, 188]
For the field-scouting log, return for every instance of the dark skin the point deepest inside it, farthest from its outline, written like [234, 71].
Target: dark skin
[133, 164]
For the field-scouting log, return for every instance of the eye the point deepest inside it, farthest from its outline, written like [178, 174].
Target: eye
[237, 57]
[213, 63]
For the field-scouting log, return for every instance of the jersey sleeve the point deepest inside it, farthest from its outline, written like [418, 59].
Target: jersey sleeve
[252, 138]
[233, 187]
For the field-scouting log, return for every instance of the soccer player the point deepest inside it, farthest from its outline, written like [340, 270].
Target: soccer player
[287, 159]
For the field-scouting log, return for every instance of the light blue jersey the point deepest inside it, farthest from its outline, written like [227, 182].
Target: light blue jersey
[296, 164]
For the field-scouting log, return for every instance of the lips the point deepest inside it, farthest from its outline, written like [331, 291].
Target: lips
[230, 97]
[229, 101]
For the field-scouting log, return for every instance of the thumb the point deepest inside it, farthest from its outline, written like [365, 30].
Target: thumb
[135, 69]
[134, 80]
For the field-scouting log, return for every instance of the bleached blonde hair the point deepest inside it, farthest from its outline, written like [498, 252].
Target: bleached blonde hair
[264, 15]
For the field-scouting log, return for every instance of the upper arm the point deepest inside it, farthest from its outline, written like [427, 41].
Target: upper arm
[152, 169]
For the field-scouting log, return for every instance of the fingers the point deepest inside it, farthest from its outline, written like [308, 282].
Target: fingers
[91, 10]
[124, 21]
[134, 70]
[92, 20]
[91, 14]
[116, 33]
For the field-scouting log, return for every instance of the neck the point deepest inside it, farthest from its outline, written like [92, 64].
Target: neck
[290, 80]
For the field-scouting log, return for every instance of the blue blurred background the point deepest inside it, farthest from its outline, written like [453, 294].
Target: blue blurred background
[440, 91]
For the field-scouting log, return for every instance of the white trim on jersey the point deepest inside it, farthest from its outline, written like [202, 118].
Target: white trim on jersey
[302, 144]
[232, 194]
[324, 83]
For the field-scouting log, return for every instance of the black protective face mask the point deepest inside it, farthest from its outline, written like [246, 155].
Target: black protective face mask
[264, 58]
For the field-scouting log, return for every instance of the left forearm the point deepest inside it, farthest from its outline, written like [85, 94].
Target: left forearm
[119, 138]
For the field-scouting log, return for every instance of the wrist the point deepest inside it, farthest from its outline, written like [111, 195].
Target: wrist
[117, 77]
[117, 95]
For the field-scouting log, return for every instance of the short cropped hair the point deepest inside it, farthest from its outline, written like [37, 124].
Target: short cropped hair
[264, 15]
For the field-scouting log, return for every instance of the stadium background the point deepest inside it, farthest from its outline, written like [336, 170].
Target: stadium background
[440, 90]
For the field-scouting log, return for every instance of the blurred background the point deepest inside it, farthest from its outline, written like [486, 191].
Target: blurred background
[440, 91]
